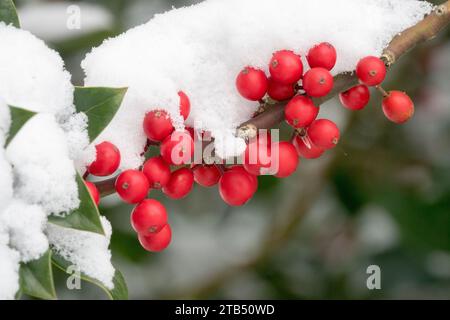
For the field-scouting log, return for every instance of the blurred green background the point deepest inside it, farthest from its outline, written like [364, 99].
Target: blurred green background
[382, 197]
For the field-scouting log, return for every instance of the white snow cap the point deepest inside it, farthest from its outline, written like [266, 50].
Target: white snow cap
[44, 173]
[202, 48]
[33, 77]
[86, 250]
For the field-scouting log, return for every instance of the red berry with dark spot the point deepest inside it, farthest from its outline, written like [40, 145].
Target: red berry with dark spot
[157, 125]
[93, 191]
[324, 133]
[257, 155]
[185, 105]
[107, 160]
[309, 151]
[132, 186]
[398, 107]
[355, 98]
[157, 172]
[287, 160]
[317, 82]
[278, 91]
[286, 67]
[207, 175]
[180, 184]
[371, 71]
[300, 112]
[252, 83]
[322, 55]
[178, 148]
[237, 186]
[148, 217]
[156, 242]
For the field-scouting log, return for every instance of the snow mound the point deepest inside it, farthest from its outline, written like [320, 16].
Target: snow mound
[86, 250]
[44, 173]
[201, 49]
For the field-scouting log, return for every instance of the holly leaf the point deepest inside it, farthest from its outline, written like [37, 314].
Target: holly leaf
[100, 104]
[86, 217]
[36, 278]
[120, 290]
[19, 117]
[8, 13]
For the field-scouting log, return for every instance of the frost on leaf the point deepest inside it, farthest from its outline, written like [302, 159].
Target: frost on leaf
[201, 49]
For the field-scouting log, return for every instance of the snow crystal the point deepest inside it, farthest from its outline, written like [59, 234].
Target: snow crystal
[201, 49]
[61, 18]
[86, 250]
[44, 173]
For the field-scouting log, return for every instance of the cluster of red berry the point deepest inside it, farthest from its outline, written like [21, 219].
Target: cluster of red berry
[238, 183]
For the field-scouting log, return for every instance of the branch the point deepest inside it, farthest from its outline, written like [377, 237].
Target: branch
[424, 30]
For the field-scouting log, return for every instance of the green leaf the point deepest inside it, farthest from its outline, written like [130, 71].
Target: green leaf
[19, 117]
[99, 104]
[8, 13]
[120, 290]
[36, 278]
[86, 217]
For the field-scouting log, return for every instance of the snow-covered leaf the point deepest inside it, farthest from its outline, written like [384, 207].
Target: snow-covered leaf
[36, 278]
[86, 217]
[120, 291]
[99, 104]
[8, 13]
[19, 117]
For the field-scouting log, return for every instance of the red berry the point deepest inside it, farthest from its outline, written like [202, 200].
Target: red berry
[178, 148]
[257, 155]
[107, 160]
[237, 186]
[322, 55]
[148, 217]
[371, 71]
[317, 82]
[253, 178]
[286, 67]
[398, 107]
[355, 98]
[156, 242]
[157, 172]
[309, 151]
[300, 112]
[287, 160]
[157, 125]
[180, 184]
[324, 133]
[185, 105]
[132, 186]
[252, 83]
[93, 191]
[278, 91]
[207, 175]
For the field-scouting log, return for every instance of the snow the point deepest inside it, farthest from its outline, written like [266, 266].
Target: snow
[61, 17]
[200, 49]
[44, 173]
[9, 271]
[32, 76]
[86, 250]
[26, 225]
